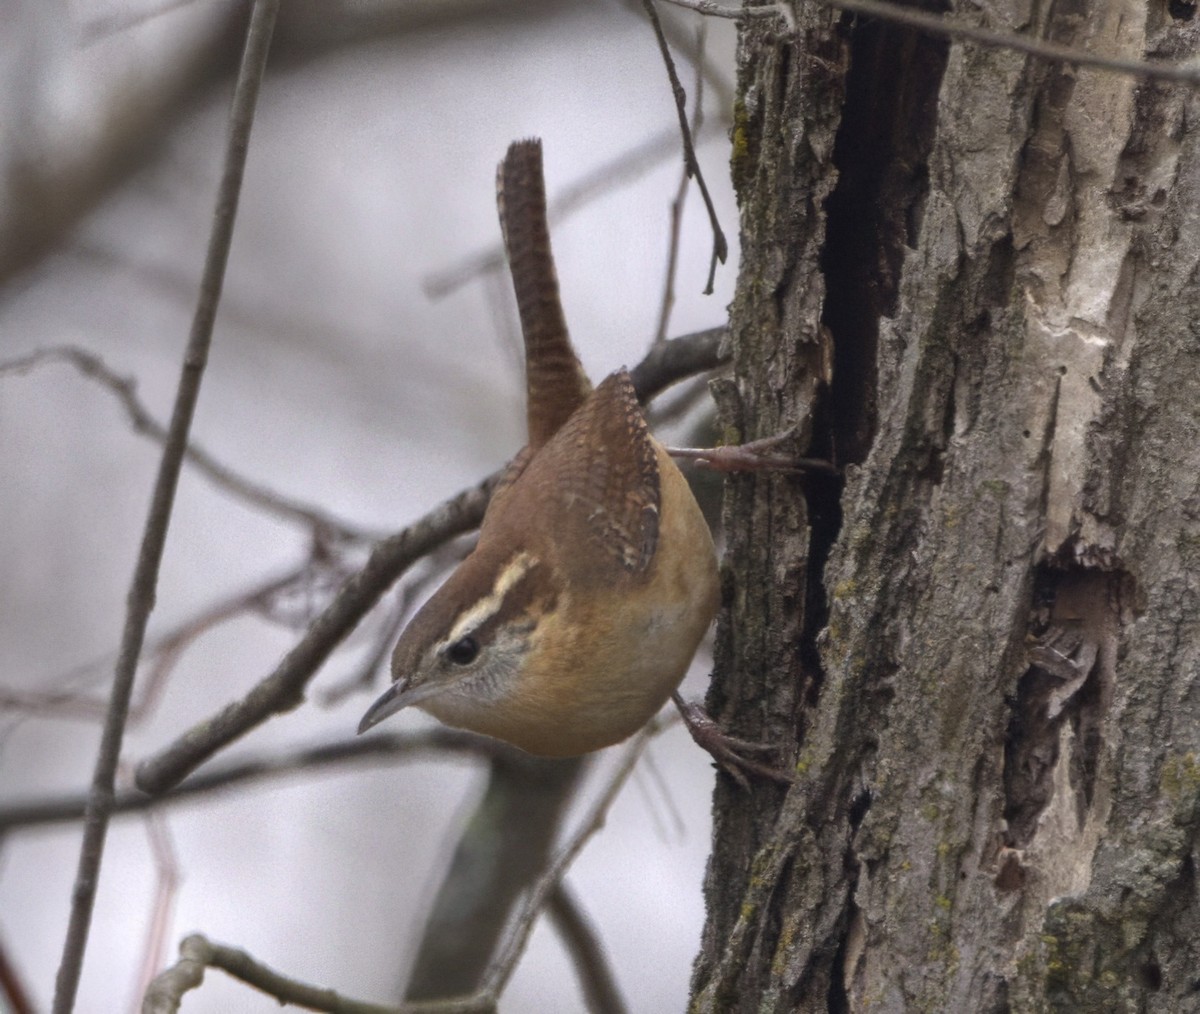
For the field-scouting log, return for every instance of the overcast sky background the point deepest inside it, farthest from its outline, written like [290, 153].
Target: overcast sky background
[335, 379]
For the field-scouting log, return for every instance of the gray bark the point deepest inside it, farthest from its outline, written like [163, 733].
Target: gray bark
[971, 278]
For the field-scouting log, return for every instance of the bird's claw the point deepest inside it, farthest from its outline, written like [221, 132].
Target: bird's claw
[728, 751]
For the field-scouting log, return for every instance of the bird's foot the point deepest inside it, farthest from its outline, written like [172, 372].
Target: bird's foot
[728, 751]
[754, 456]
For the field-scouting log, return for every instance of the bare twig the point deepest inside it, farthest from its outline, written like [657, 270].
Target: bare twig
[505, 845]
[145, 579]
[668, 298]
[720, 247]
[621, 170]
[506, 961]
[283, 689]
[160, 656]
[669, 362]
[682, 42]
[1186, 72]
[52, 191]
[670, 410]
[363, 676]
[166, 867]
[657, 796]
[935, 24]
[385, 748]
[738, 459]
[716, 10]
[125, 390]
[600, 990]
[197, 953]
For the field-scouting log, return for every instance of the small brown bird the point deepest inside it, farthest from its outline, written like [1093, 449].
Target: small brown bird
[594, 578]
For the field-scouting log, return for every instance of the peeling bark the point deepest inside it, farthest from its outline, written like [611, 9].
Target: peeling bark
[972, 279]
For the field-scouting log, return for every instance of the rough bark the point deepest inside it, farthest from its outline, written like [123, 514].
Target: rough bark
[971, 278]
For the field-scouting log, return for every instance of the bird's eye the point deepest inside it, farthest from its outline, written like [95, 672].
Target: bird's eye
[463, 651]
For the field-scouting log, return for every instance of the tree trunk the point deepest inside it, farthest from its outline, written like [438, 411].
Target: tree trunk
[971, 278]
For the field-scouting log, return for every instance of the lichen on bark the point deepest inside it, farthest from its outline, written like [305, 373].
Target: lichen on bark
[970, 278]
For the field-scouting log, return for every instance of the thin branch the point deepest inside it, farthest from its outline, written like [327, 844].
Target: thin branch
[716, 10]
[505, 845]
[670, 410]
[600, 991]
[197, 953]
[362, 678]
[681, 40]
[283, 689]
[713, 10]
[169, 875]
[677, 205]
[669, 362]
[619, 171]
[125, 390]
[720, 247]
[736, 458]
[160, 656]
[658, 798]
[386, 748]
[1186, 72]
[145, 579]
[165, 992]
[664, 364]
[506, 961]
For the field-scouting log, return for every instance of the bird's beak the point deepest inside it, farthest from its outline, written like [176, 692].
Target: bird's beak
[399, 695]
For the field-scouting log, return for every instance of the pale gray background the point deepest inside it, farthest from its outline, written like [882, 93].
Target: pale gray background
[334, 379]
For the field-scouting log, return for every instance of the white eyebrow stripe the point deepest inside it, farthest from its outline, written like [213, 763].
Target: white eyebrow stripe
[490, 604]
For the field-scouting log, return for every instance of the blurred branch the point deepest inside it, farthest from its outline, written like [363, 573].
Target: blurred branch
[505, 845]
[321, 28]
[363, 676]
[145, 578]
[506, 962]
[124, 389]
[374, 749]
[49, 194]
[12, 989]
[197, 953]
[600, 991]
[105, 26]
[283, 690]
[160, 655]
